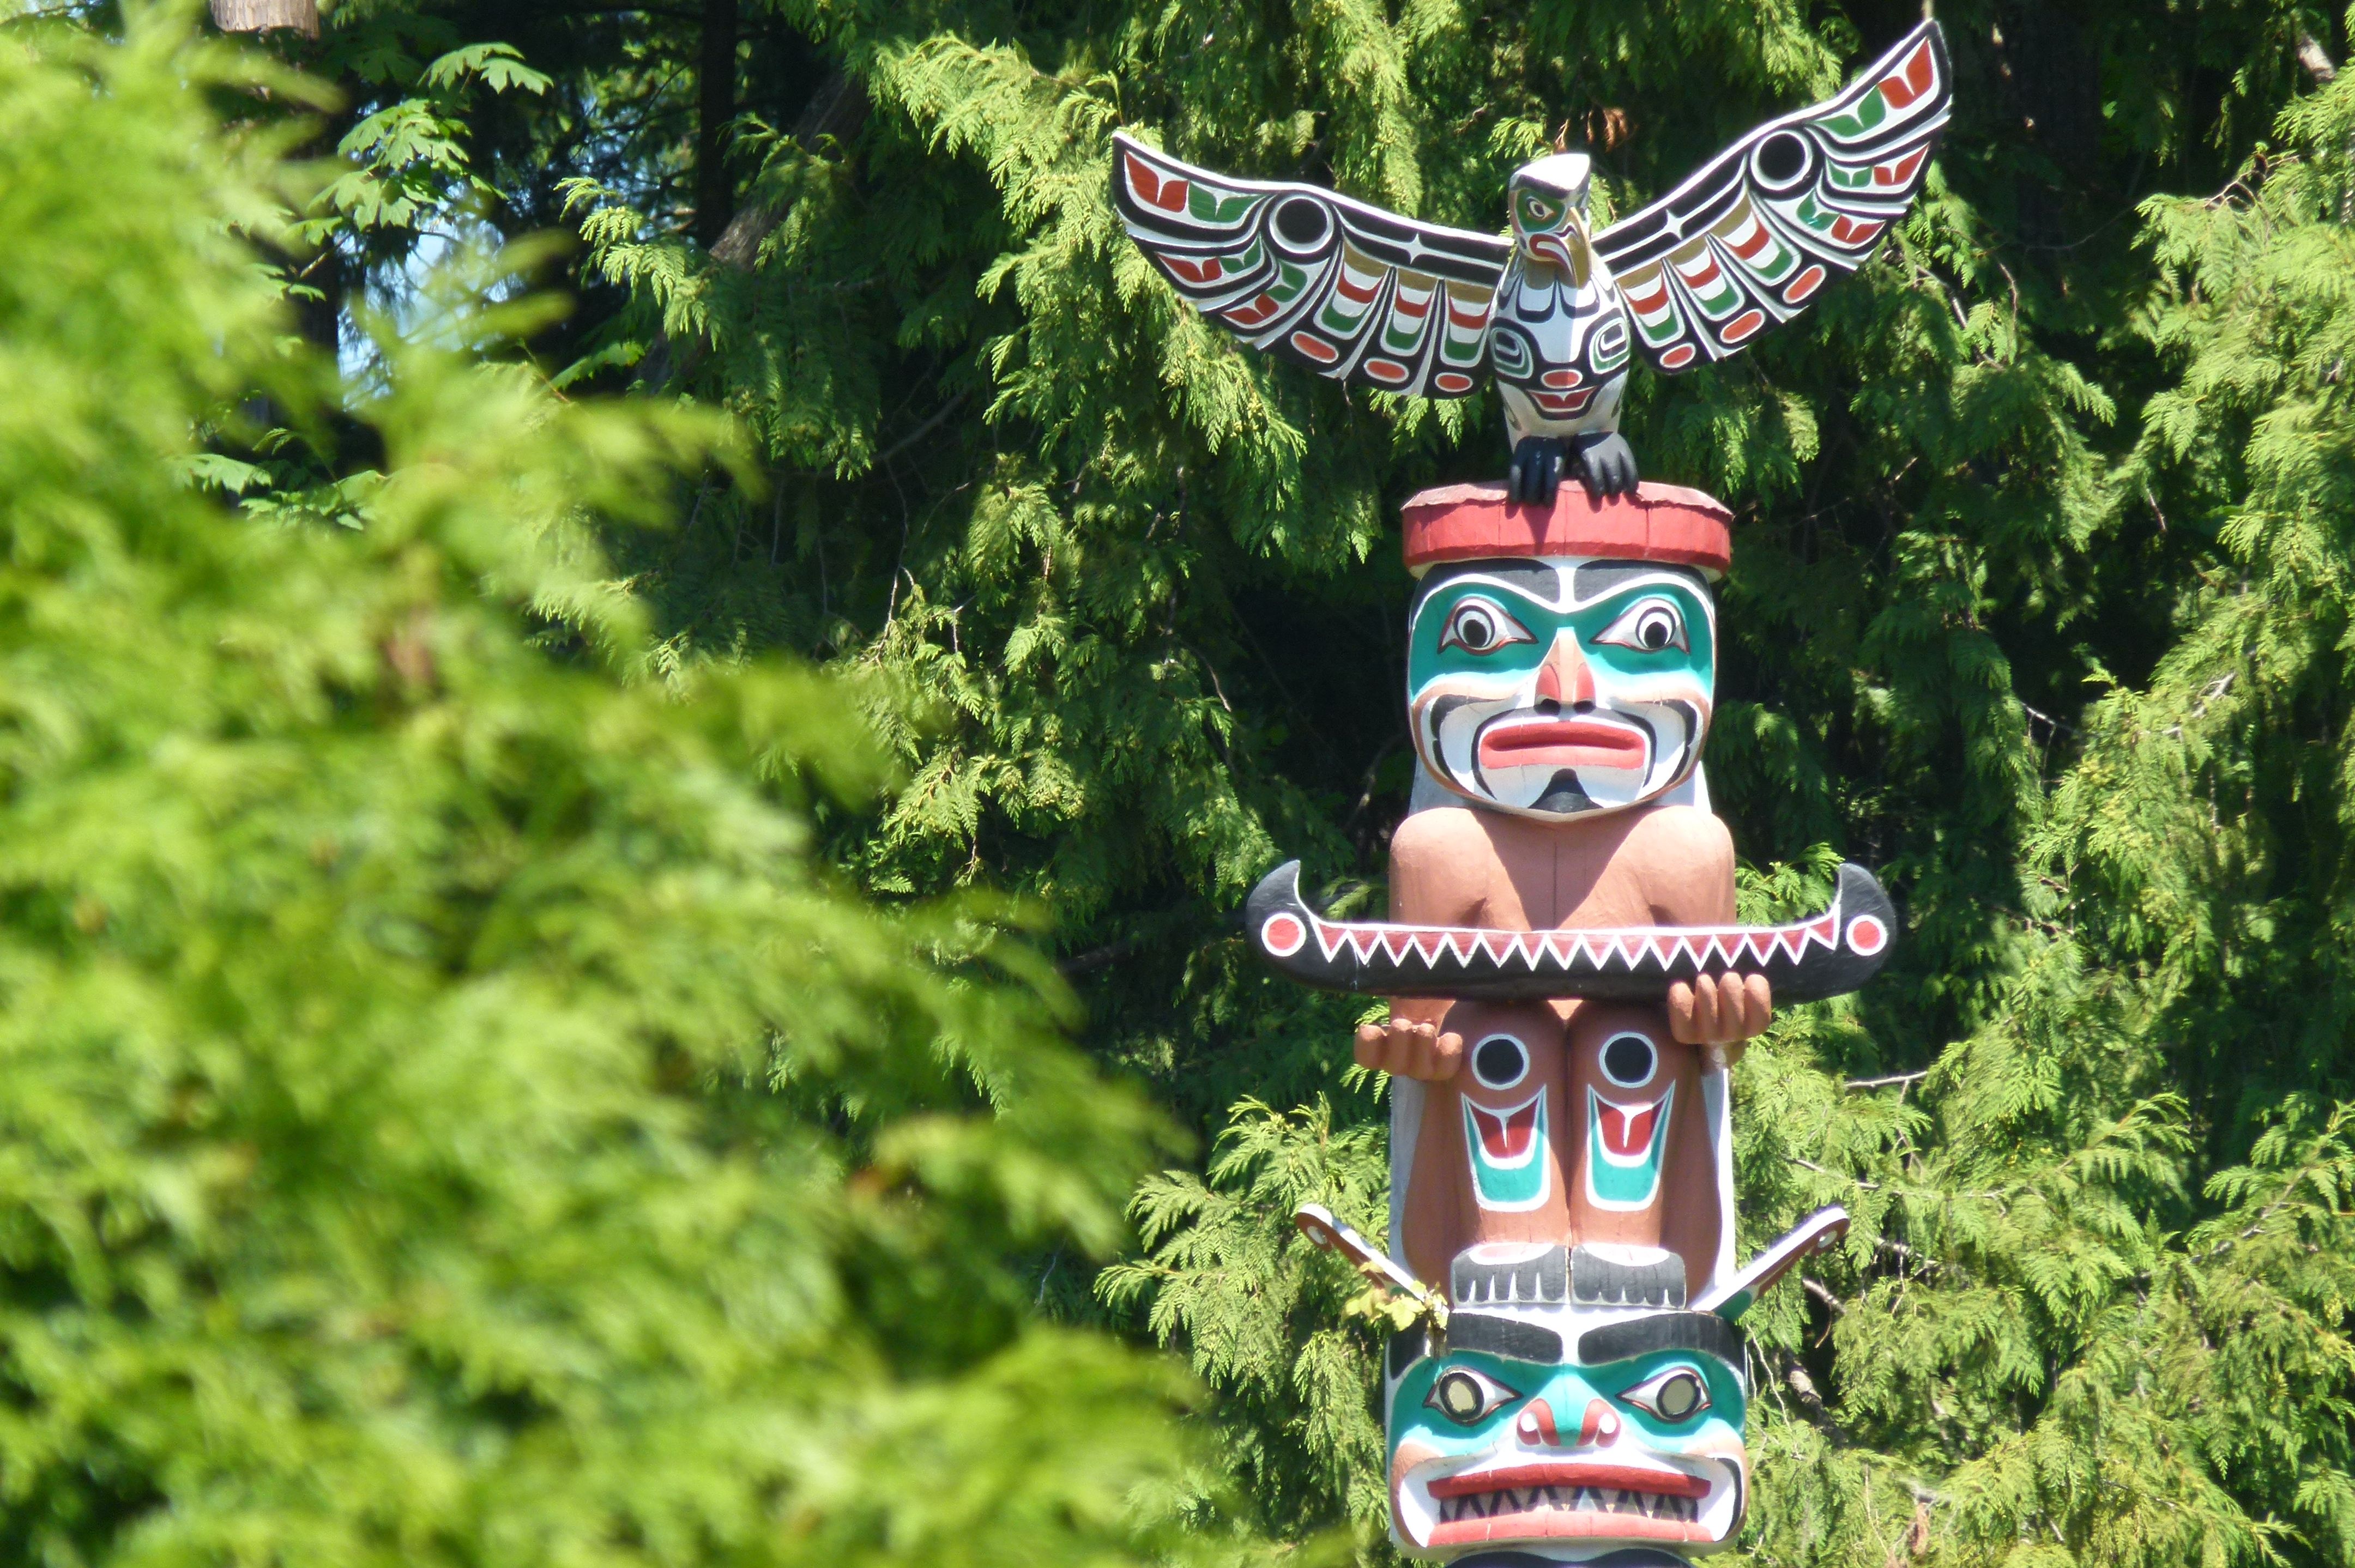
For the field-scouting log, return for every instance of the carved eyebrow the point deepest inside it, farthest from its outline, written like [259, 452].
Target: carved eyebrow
[1541, 583]
[1506, 1336]
[1703, 1333]
[1596, 578]
[1532, 580]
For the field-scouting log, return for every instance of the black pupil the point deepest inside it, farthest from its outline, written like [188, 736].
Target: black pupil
[1654, 632]
[1678, 1397]
[1300, 221]
[1497, 1061]
[1628, 1060]
[1475, 630]
[1782, 157]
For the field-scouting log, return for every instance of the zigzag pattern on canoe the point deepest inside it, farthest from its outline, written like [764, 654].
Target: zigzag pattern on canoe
[1663, 947]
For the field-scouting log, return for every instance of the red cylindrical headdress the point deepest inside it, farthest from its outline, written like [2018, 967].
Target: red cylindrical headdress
[1480, 522]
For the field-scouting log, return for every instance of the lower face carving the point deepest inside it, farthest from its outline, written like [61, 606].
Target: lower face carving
[1487, 1450]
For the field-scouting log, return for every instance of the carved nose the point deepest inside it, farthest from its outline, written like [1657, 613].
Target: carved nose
[1535, 1424]
[1565, 678]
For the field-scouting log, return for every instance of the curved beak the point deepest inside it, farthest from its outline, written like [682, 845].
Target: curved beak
[1571, 249]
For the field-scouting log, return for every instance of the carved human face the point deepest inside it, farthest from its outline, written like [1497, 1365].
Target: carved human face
[1643, 1449]
[1559, 688]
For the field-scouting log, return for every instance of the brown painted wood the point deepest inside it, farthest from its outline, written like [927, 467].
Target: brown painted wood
[1652, 865]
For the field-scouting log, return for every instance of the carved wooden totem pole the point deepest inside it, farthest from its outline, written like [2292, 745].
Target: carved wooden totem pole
[1568, 985]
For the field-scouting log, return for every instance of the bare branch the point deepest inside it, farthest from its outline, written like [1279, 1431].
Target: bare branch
[1892, 1079]
[2317, 63]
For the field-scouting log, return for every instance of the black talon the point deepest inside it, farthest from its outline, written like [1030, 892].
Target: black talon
[1537, 470]
[1607, 465]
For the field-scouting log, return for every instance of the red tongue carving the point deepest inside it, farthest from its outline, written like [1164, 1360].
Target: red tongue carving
[1628, 1129]
[1507, 1136]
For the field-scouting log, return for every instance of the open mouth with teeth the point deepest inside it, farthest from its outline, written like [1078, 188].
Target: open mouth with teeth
[1569, 1500]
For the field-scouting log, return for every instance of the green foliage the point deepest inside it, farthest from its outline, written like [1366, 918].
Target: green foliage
[2039, 607]
[410, 161]
[1265, 1315]
[448, 1114]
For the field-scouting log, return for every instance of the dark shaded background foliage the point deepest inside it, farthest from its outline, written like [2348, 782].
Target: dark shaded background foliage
[2039, 608]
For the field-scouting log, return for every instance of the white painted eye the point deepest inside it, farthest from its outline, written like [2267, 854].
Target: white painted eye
[1464, 1396]
[1648, 626]
[1676, 1395]
[1481, 626]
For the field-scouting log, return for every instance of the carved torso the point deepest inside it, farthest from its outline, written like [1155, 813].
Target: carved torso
[1560, 351]
[1654, 866]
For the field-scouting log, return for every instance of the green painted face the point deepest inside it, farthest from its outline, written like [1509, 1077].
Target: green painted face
[1560, 687]
[1490, 1450]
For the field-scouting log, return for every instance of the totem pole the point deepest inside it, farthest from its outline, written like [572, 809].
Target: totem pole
[1568, 985]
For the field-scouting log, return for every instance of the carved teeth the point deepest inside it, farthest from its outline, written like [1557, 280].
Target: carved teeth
[1506, 1500]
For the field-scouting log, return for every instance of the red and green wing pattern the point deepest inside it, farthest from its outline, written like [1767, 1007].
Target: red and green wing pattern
[1745, 243]
[1348, 289]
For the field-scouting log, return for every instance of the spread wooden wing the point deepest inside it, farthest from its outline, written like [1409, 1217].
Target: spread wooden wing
[1348, 289]
[1750, 239]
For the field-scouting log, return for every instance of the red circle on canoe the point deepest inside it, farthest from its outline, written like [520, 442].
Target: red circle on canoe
[1282, 935]
[1867, 935]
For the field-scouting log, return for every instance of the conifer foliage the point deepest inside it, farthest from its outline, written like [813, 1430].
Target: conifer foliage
[447, 1115]
[456, 1097]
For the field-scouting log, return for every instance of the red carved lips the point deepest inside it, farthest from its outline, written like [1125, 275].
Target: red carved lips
[1569, 1499]
[1563, 743]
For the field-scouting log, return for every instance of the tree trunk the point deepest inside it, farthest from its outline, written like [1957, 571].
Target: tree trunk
[265, 16]
[716, 106]
[837, 108]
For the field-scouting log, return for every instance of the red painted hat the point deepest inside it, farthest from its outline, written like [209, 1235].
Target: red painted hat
[1479, 522]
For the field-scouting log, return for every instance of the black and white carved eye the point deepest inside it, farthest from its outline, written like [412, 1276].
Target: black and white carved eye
[1301, 226]
[1629, 1060]
[1465, 1397]
[1509, 352]
[1648, 626]
[1499, 1062]
[1676, 1395]
[1481, 626]
[1781, 161]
